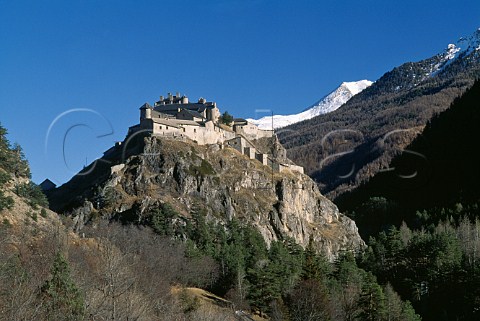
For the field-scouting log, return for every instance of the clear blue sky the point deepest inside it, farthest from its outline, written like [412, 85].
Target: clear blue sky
[112, 56]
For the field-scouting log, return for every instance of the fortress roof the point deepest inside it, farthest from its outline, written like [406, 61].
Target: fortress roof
[193, 113]
[146, 106]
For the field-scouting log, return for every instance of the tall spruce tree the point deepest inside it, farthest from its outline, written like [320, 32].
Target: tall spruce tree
[62, 298]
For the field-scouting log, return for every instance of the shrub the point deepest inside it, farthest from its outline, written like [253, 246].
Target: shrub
[190, 302]
[33, 193]
[5, 201]
[4, 177]
[203, 170]
[6, 222]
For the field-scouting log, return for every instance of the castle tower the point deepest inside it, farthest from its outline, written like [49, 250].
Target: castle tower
[145, 111]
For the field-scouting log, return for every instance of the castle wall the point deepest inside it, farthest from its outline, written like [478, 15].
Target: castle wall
[159, 129]
[202, 135]
[251, 131]
[262, 158]
[261, 133]
[296, 168]
[238, 143]
[194, 133]
[163, 129]
[287, 167]
[250, 152]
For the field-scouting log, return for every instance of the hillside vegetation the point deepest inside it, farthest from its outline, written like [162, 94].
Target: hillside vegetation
[52, 269]
[342, 149]
[423, 217]
[443, 162]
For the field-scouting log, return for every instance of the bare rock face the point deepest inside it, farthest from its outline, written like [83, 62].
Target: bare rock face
[222, 183]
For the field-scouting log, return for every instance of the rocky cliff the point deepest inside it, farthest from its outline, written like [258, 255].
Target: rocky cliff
[220, 183]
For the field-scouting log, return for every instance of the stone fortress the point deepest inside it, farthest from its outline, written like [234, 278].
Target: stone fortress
[175, 117]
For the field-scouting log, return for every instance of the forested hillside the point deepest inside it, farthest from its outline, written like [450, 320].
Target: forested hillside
[439, 169]
[342, 149]
[422, 216]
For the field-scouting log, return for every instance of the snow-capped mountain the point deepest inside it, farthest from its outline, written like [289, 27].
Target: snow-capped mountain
[327, 104]
[464, 46]
[406, 97]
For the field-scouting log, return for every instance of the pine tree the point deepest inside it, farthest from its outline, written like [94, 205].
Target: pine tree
[202, 233]
[393, 304]
[12, 159]
[372, 300]
[5, 154]
[161, 220]
[286, 259]
[20, 165]
[408, 313]
[315, 267]
[63, 300]
[265, 287]
[226, 118]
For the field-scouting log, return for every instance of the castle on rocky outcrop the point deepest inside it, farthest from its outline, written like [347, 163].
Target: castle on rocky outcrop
[175, 117]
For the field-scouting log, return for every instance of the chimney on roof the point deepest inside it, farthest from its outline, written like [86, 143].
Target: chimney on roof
[170, 96]
[178, 94]
[161, 98]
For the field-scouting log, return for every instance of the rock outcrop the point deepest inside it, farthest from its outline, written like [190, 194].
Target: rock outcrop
[220, 182]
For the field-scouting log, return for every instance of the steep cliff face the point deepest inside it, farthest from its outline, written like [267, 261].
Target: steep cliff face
[220, 183]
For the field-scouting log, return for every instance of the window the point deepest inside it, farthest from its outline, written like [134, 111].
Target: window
[194, 130]
[166, 127]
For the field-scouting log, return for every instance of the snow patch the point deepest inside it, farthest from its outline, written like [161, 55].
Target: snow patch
[327, 104]
[451, 51]
[464, 46]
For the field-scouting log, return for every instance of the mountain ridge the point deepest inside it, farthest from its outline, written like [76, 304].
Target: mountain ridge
[443, 166]
[330, 102]
[351, 140]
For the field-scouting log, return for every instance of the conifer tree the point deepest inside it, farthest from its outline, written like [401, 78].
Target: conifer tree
[265, 287]
[315, 267]
[372, 300]
[408, 313]
[62, 298]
